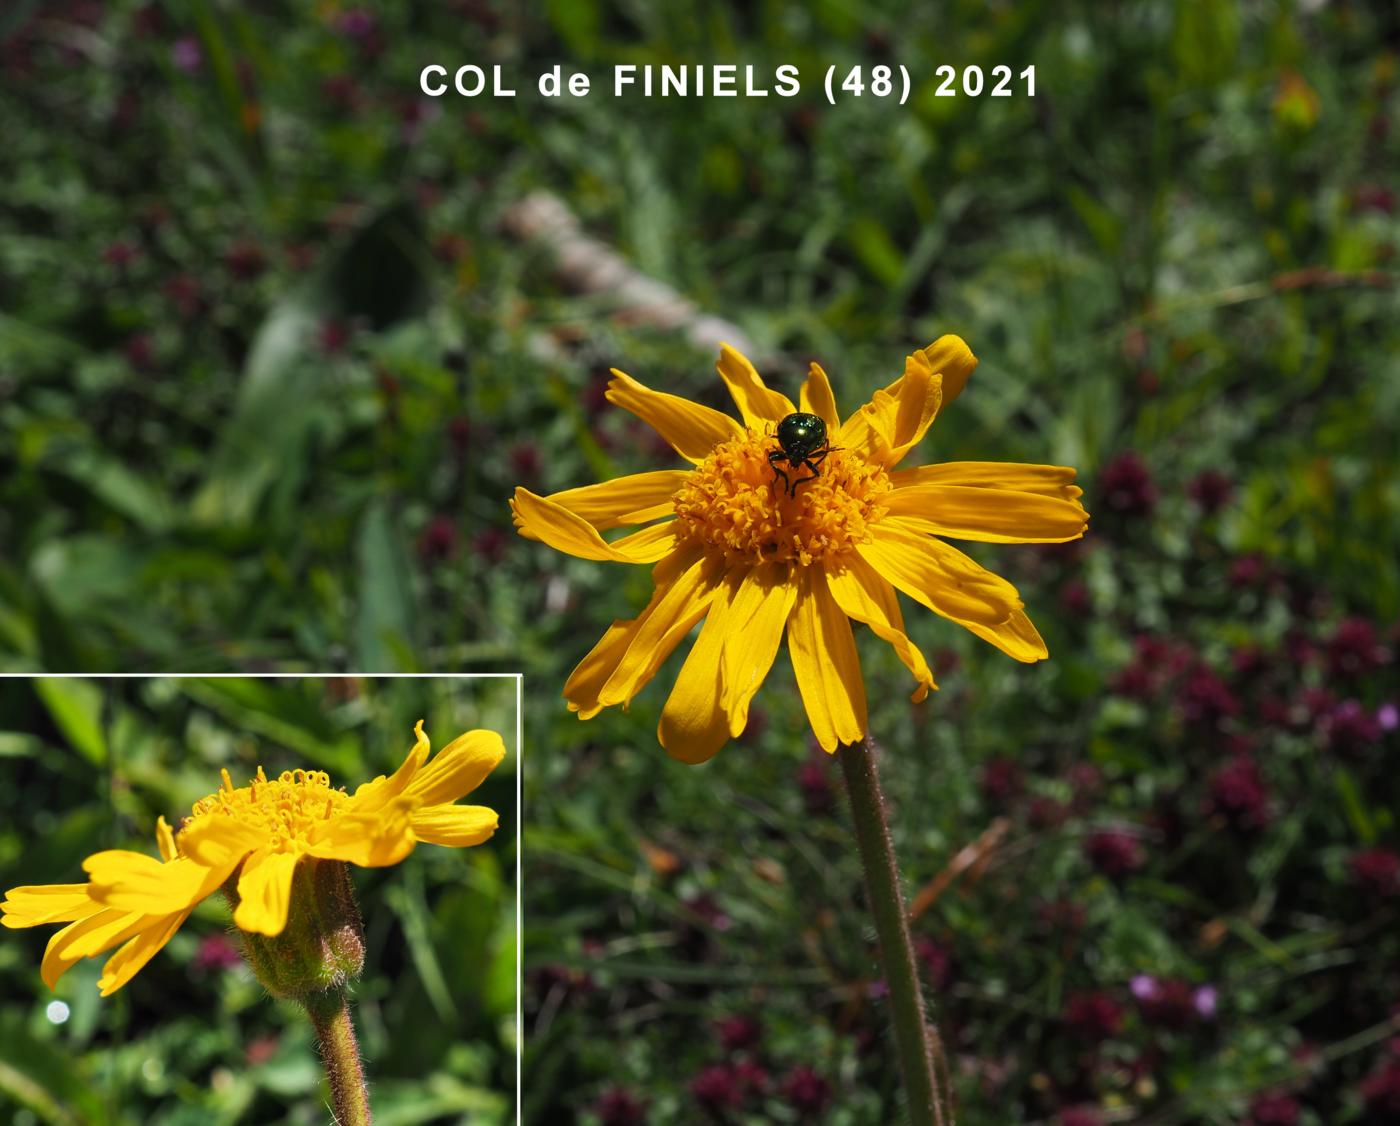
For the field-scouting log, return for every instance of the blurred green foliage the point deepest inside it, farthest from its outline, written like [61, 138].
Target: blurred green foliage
[194, 1038]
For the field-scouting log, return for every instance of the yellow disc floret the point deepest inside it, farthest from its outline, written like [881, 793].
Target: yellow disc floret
[733, 502]
[285, 809]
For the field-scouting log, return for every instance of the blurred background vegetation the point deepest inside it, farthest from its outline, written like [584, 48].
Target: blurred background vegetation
[194, 1038]
[271, 362]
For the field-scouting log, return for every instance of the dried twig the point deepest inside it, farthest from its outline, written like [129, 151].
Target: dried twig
[588, 266]
[974, 856]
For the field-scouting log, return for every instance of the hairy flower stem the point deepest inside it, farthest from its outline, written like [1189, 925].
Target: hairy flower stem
[916, 1040]
[330, 1014]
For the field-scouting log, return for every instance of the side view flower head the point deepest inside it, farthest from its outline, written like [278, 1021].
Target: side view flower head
[798, 525]
[274, 846]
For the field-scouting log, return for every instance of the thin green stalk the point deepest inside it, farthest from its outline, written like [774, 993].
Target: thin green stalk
[916, 1040]
[335, 1032]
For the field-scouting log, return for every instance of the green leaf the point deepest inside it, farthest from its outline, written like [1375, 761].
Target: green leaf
[270, 420]
[19, 744]
[112, 482]
[1103, 226]
[76, 708]
[279, 712]
[577, 22]
[406, 900]
[385, 622]
[1205, 40]
[1354, 806]
[45, 1080]
[876, 250]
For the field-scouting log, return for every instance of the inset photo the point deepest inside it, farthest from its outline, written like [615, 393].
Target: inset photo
[245, 899]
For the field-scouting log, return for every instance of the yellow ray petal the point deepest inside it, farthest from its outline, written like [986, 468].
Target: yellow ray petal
[665, 625]
[754, 630]
[375, 793]
[635, 499]
[864, 596]
[590, 674]
[217, 841]
[895, 419]
[36, 904]
[371, 840]
[456, 826]
[562, 530]
[133, 881]
[1047, 480]
[587, 680]
[826, 664]
[951, 358]
[1016, 637]
[459, 768]
[265, 892]
[817, 399]
[86, 938]
[122, 966]
[165, 840]
[693, 429]
[693, 724]
[939, 576]
[986, 515]
[758, 405]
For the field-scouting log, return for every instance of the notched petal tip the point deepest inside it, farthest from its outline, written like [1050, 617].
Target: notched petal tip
[459, 768]
[950, 356]
[559, 528]
[692, 429]
[758, 404]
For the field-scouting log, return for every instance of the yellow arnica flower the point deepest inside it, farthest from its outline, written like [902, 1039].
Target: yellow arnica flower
[252, 838]
[754, 558]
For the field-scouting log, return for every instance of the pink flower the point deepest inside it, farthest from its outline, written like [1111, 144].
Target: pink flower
[717, 1088]
[186, 54]
[936, 961]
[1114, 852]
[1210, 490]
[1205, 699]
[491, 544]
[738, 1033]
[1169, 1003]
[1380, 1091]
[438, 541]
[1001, 780]
[1238, 793]
[619, 1107]
[1274, 1109]
[1127, 486]
[806, 1091]
[1355, 649]
[1350, 729]
[1093, 1016]
[216, 952]
[1376, 871]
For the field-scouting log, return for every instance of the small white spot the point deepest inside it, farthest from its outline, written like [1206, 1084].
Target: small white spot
[57, 1012]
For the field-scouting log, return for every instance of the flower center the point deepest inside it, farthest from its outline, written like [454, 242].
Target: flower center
[284, 810]
[735, 501]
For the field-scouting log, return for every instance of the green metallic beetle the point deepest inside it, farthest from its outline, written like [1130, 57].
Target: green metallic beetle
[802, 442]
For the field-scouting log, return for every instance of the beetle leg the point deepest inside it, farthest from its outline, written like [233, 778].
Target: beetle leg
[773, 459]
[816, 472]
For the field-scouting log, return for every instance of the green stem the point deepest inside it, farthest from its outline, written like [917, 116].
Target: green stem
[916, 1040]
[330, 1014]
